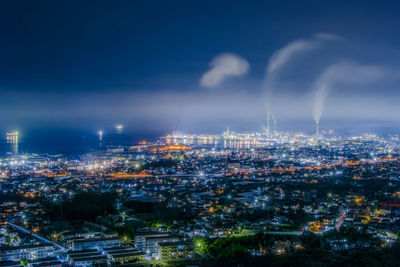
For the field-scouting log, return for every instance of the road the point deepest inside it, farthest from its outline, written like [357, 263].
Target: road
[36, 236]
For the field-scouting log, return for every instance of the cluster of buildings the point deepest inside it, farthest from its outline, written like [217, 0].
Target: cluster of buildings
[345, 190]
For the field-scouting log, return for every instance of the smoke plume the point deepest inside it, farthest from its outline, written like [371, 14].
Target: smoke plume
[343, 74]
[285, 55]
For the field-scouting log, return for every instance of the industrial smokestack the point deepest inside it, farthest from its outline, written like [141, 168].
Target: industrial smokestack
[274, 120]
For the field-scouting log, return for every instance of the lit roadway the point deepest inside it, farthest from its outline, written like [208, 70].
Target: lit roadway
[190, 175]
[247, 232]
[36, 236]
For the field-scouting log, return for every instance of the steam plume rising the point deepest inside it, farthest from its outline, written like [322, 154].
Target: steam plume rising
[222, 67]
[345, 73]
[274, 120]
[283, 56]
[278, 60]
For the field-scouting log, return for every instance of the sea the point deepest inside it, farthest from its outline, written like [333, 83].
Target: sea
[72, 142]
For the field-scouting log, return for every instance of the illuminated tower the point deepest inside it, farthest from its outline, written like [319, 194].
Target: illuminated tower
[268, 119]
[317, 129]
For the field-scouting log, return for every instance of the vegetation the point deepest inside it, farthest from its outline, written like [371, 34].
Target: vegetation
[163, 163]
[88, 206]
[160, 212]
[234, 252]
[127, 231]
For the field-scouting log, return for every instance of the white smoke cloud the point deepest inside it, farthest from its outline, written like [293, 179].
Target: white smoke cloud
[222, 67]
[345, 73]
[328, 37]
[285, 55]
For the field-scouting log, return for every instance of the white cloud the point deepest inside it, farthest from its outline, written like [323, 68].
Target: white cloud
[222, 67]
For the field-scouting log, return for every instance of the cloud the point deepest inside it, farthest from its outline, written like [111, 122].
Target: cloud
[222, 67]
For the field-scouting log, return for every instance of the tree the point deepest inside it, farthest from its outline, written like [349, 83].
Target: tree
[89, 205]
[200, 244]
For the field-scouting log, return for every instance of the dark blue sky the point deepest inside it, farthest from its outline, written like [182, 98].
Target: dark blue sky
[92, 64]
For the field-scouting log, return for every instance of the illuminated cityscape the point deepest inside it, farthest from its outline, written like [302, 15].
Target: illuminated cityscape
[175, 200]
[186, 133]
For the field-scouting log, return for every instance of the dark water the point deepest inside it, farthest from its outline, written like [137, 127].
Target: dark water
[72, 142]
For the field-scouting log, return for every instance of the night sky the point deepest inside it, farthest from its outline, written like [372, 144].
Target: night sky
[199, 66]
